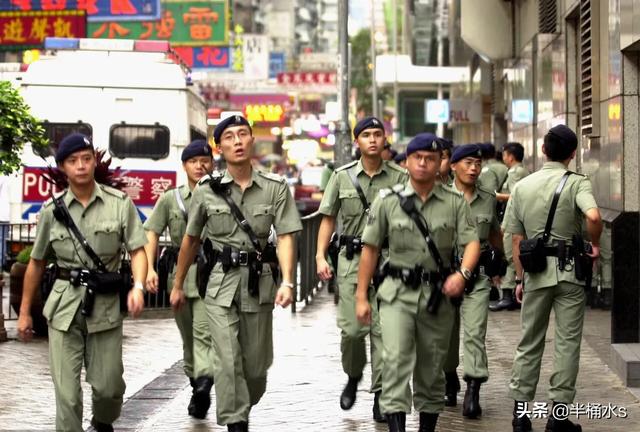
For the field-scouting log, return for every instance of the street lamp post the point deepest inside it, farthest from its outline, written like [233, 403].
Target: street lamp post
[342, 149]
[374, 87]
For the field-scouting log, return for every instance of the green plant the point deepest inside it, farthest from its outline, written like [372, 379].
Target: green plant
[24, 255]
[17, 127]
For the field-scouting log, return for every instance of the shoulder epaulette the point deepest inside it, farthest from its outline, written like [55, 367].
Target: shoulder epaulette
[450, 189]
[204, 179]
[113, 191]
[272, 177]
[385, 192]
[347, 166]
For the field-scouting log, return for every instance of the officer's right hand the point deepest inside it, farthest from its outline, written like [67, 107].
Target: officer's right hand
[363, 312]
[519, 292]
[324, 269]
[152, 281]
[177, 298]
[25, 327]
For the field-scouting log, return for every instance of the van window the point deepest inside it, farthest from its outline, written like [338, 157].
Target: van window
[57, 131]
[139, 141]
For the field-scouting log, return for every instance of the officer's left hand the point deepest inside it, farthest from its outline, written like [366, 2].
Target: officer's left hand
[284, 296]
[135, 302]
[454, 285]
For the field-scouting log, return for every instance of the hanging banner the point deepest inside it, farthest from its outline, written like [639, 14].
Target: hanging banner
[23, 30]
[188, 23]
[255, 52]
[97, 10]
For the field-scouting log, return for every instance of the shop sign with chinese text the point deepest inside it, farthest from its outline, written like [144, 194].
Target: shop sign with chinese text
[20, 30]
[205, 57]
[188, 23]
[97, 10]
[307, 78]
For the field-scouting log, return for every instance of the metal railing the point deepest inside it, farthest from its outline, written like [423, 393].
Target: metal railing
[306, 277]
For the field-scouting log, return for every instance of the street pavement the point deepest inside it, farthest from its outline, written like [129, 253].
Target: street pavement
[304, 382]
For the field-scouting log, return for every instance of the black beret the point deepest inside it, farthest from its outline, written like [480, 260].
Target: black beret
[566, 135]
[71, 144]
[367, 123]
[234, 120]
[197, 147]
[400, 157]
[424, 141]
[467, 150]
[488, 150]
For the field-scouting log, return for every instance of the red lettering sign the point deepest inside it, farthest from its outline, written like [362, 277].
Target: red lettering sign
[308, 78]
[20, 29]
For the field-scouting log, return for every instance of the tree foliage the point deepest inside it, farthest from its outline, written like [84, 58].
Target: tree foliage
[361, 69]
[17, 127]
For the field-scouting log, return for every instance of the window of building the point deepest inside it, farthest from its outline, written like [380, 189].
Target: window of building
[139, 141]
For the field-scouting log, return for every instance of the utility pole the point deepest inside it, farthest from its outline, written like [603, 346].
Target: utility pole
[342, 149]
[396, 127]
[374, 87]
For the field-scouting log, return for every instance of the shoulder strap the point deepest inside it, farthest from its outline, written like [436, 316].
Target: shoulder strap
[408, 206]
[554, 205]
[180, 202]
[62, 215]
[356, 184]
[237, 214]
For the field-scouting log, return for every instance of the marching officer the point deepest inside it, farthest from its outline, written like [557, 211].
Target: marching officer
[466, 163]
[83, 309]
[416, 315]
[235, 210]
[494, 172]
[350, 191]
[171, 211]
[512, 155]
[557, 263]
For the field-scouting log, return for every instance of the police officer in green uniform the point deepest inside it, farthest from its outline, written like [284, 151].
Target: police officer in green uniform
[416, 336]
[494, 172]
[372, 174]
[78, 333]
[466, 163]
[558, 285]
[171, 211]
[512, 155]
[241, 292]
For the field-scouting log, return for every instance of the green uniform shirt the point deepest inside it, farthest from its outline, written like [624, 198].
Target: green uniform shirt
[514, 175]
[109, 221]
[483, 213]
[529, 208]
[266, 201]
[167, 213]
[449, 222]
[340, 196]
[493, 175]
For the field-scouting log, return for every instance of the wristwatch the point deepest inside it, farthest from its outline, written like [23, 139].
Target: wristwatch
[518, 281]
[140, 286]
[465, 272]
[287, 284]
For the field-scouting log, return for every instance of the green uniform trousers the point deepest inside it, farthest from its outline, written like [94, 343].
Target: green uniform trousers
[101, 353]
[414, 341]
[352, 343]
[509, 279]
[474, 312]
[568, 303]
[242, 353]
[193, 324]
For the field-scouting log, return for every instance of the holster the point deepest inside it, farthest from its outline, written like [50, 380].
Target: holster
[433, 304]
[334, 250]
[167, 261]
[583, 263]
[127, 282]
[205, 261]
[532, 255]
[381, 273]
[494, 262]
[96, 283]
[270, 256]
[48, 279]
[255, 271]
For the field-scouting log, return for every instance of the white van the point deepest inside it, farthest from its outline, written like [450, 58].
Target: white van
[131, 97]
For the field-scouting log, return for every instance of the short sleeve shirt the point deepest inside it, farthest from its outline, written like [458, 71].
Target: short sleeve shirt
[493, 175]
[514, 175]
[483, 213]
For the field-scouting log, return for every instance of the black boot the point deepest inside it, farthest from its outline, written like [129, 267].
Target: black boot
[564, 425]
[428, 422]
[192, 402]
[520, 423]
[451, 389]
[471, 405]
[348, 396]
[507, 302]
[396, 422]
[377, 416]
[103, 427]
[202, 396]
[238, 427]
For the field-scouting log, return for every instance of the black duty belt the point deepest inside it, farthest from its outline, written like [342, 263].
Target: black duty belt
[64, 274]
[358, 243]
[237, 258]
[413, 277]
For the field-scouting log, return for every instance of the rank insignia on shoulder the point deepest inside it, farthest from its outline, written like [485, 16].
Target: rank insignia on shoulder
[371, 218]
[385, 192]
[398, 188]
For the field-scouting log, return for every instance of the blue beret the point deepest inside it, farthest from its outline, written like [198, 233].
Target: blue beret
[71, 144]
[367, 123]
[424, 141]
[566, 135]
[467, 150]
[197, 147]
[234, 120]
[488, 150]
[400, 157]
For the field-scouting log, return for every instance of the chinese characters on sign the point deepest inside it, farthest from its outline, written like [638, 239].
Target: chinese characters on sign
[307, 78]
[145, 187]
[21, 30]
[208, 57]
[264, 113]
[97, 10]
[190, 23]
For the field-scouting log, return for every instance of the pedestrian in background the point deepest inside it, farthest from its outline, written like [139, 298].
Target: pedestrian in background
[494, 172]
